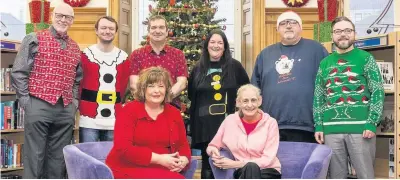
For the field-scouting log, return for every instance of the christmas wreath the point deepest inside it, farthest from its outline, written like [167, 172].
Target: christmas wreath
[77, 3]
[295, 3]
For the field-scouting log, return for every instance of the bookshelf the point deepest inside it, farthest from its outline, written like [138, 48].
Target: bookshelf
[11, 169]
[387, 48]
[9, 135]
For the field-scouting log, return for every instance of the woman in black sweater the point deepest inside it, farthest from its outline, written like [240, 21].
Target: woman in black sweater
[212, 88]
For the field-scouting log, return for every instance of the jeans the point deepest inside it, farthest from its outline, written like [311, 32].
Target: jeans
[94, 135]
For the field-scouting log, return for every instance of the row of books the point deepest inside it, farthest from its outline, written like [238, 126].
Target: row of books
[5, 80]
[12, 116]
[11, 154]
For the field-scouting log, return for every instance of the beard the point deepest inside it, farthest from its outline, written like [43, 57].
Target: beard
[344, 43]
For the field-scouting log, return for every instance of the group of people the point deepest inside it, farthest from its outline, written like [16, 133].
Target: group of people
[298, 92]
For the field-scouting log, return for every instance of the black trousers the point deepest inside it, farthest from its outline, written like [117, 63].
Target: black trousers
[252, 171]
[295, 135]
[48, 129]
[206, 172]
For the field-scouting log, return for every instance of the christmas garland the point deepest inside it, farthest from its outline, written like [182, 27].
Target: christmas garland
[77, 3]
[295, 3]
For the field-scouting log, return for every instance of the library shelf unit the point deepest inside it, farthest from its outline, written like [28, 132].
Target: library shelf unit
[387, 48]
[9, 50]
[11, 169]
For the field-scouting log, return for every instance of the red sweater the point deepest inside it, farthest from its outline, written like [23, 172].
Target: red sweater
[136, 136]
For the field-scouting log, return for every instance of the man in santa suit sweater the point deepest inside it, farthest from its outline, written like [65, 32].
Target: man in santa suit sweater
[105, 77]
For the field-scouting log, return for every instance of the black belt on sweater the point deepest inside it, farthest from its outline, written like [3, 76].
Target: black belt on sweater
[101, 97]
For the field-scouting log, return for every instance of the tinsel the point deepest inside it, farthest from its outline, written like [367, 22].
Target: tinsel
[330, 12]
[77, 3]
[33, 27]
[39, 11]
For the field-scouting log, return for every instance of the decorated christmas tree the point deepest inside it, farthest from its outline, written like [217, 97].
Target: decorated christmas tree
[189, 22]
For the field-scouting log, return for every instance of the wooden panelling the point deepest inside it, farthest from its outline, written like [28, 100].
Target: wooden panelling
[125, 22]
[83, 30]
[309, 17]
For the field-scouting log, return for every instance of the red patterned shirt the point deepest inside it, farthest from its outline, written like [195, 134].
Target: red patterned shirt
[170, 58]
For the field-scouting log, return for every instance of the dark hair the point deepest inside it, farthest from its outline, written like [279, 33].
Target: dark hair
[225, 60]
[342, 18]
[156, 17]
[109, 18]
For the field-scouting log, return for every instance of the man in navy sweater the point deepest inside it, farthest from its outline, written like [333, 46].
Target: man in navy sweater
[285, 72]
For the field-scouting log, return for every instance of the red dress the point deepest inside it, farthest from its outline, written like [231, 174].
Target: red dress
[136, 136]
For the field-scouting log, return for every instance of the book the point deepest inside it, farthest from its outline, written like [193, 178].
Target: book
[386, 70]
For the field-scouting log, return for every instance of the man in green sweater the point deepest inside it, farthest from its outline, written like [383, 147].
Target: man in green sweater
[348, 103]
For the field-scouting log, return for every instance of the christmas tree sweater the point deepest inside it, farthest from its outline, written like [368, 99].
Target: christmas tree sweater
[349, 93]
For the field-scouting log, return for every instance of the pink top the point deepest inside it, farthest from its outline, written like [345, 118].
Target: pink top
[260, 146]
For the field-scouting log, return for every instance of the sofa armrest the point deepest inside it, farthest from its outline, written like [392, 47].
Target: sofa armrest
[83, 166]
[222, 173]
[188, 173]
[317, 165]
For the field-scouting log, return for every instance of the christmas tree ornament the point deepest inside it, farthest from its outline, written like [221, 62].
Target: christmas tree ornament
[171, 2]
[170, 33]
[162, 10]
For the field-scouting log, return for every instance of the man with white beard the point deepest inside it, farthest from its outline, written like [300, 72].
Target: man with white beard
[285, 73]
[105, 77]
[346, 114]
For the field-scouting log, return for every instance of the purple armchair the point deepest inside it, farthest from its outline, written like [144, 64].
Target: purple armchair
[86, 161]
[299, 161]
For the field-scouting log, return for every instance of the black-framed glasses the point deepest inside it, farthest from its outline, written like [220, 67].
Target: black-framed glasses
[290, 22]
[346, 31]
[59, 16]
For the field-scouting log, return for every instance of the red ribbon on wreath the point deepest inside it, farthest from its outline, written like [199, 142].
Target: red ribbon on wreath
[295, 3]
[77, 3]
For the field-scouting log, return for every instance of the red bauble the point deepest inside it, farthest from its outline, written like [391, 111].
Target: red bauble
[77, 3]
[204, 37]
[170, 33]
[196, 26]
[186, 6]
[162, 10]
[295, 3]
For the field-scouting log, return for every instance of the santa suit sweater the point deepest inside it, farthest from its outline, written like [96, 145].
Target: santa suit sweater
[105, 77]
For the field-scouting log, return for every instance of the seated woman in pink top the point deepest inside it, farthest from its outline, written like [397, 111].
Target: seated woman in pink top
[251, 135]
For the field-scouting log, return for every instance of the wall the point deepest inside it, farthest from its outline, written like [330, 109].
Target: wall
[280, 4]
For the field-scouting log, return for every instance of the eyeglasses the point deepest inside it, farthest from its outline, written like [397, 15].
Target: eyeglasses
[346, 31]
[60, 16]
[290, 22]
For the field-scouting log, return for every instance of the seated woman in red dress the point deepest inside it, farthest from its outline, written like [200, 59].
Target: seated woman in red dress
[149, 135]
